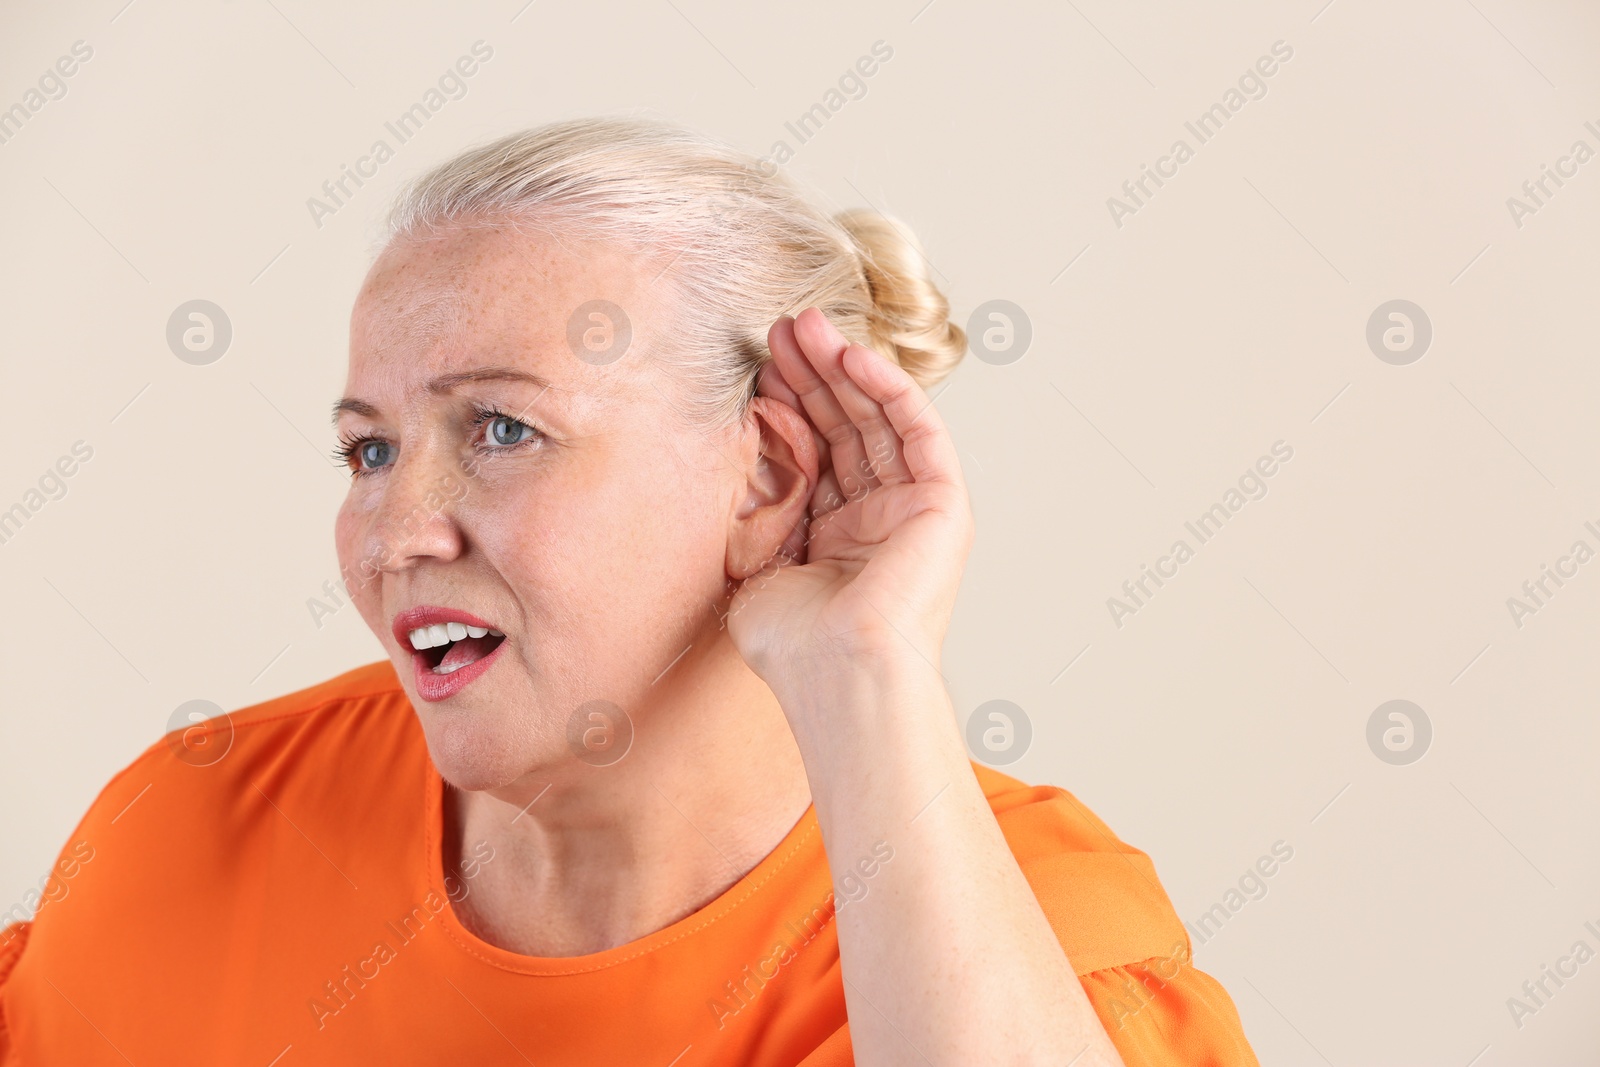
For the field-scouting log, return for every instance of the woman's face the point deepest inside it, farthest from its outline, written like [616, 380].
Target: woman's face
[559, 499]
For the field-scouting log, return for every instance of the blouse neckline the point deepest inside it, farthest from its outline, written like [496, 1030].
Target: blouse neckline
[803, 835]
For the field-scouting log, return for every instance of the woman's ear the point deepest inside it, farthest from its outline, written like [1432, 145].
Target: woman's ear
[771, 517]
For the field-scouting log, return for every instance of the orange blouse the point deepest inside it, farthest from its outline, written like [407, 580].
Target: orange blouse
[287, 904]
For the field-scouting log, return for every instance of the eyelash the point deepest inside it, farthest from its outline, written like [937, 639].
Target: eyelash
[350, 446]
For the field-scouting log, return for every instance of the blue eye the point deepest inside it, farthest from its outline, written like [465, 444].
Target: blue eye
[363, 455]
[375, 454]
[504, 430]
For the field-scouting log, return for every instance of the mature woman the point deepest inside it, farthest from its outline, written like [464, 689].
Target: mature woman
[660, 768]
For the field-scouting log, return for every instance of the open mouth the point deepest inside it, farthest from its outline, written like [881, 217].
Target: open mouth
[446, 647]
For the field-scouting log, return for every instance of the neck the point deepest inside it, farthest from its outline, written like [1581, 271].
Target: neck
[587, 857]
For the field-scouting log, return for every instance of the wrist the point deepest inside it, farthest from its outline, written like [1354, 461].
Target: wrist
[881, 717]
[879, 655]
[822, 689]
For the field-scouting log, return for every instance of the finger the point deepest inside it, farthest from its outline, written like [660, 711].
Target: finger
[885, 449]
[813, 394]
[828, 497]
[881, 446]
[780, 339]
[929, 452]
[769, 382]
[810, 368]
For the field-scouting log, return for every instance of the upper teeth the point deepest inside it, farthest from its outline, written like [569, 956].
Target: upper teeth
[442, 633]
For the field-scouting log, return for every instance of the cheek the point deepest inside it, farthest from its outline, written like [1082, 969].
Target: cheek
[603, 546]
[344, 532]
[360, 574]
[347, 528]
[530, 526]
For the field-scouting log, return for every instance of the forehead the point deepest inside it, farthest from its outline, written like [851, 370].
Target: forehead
[491, 294]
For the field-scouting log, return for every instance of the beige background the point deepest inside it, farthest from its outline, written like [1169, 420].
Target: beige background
[1228, 313]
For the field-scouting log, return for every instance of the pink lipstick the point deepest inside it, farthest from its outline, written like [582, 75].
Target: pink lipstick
[449, 648]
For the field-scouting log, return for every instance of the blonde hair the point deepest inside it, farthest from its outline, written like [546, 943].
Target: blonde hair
[739, 242]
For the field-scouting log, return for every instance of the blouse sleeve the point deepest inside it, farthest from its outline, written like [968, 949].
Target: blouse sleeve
[1162, 1012]
[13, 938]
[1185, 1019]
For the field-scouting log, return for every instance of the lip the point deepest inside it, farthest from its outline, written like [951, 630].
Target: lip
[436, 687]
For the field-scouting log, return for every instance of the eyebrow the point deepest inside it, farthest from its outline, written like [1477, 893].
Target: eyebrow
[446, 383]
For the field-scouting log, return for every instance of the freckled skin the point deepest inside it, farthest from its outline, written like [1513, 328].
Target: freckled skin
[600, 552]
[597, 550]
[603, 551]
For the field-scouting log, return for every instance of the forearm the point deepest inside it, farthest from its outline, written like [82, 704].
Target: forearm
[946, 955]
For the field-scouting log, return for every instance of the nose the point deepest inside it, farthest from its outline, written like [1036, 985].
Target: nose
[415, 517]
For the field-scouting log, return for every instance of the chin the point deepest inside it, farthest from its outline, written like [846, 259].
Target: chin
[479, 752]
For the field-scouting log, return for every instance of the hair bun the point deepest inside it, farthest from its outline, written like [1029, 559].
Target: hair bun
[910, 319]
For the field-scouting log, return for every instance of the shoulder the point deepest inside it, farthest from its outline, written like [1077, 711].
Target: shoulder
[1102, 895]
[372, 683]
[1107, 907]
[210, 845]
[366, 697]
[206, 804]
[266, 748]
[1043, 820]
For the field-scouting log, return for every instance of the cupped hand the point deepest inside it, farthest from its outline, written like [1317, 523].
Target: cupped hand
[874, 570]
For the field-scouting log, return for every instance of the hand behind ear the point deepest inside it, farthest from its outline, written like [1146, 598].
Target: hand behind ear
[887, 537]
[771, 383]
[788, 441]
